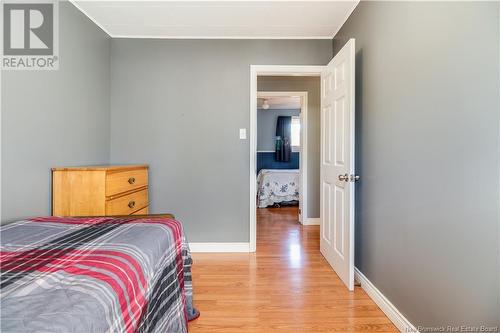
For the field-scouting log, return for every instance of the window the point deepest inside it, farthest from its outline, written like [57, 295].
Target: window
[295, 133]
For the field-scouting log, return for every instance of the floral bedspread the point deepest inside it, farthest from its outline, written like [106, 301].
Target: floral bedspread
[275, 186]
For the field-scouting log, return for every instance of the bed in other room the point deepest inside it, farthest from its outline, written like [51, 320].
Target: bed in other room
[277, 186]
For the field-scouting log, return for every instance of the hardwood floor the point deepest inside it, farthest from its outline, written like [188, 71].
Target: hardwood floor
[286, 286]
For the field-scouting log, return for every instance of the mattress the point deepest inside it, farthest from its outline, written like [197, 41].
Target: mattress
[277, 186]
[95, 275]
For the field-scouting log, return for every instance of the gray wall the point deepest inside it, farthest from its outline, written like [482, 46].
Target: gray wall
[427, 108]
[177, 105]
[266, 127]
[312, 86]
[52, 118]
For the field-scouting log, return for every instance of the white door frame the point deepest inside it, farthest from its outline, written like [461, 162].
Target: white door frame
[255, 71]
[303, 145]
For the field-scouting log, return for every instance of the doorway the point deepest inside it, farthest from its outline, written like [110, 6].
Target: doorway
[290, 176]
[271, 71]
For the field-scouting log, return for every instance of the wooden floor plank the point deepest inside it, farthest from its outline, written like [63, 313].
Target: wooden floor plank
[286, 286]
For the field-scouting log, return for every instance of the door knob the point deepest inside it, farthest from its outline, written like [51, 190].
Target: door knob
[344, 177]
[355, 178]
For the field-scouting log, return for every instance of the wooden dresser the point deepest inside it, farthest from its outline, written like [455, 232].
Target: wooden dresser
[100, 190]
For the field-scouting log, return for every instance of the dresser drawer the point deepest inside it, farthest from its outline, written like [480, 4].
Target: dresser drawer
[127, 204]
[123, 181]
[144, 211]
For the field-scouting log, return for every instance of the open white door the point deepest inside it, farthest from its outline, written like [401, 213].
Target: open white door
[337, 163]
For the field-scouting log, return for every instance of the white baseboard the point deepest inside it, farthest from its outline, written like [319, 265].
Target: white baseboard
[312, 221]
[219, 247]
[384, 304]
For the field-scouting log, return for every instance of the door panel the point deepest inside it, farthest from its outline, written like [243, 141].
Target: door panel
[339, 220]
[326, 213]
[339, 138]
[326, 140]
[337, 164]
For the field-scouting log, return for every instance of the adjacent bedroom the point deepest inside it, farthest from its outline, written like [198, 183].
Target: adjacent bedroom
[278, 150]
[288, 148]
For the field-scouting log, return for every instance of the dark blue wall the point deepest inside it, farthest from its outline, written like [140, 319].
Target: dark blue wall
[265, 160]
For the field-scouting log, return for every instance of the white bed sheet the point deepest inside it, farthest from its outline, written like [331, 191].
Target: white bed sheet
[275, 186]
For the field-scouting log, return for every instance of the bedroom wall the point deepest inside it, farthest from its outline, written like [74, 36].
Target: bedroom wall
[427, 108]
[312, 86]
[52, 118]
[266, 127]
[178, 106]
[266, 140]
[267, 160]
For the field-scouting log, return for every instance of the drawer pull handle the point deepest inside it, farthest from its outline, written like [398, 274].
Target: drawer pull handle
[131, 180]
[131, 204]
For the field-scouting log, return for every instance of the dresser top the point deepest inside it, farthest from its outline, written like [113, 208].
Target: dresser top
[101, 167]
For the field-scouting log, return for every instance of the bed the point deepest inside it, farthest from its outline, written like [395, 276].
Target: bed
[101, 274]
[277, 186]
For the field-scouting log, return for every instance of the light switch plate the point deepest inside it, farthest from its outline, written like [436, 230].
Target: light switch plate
[243, 133]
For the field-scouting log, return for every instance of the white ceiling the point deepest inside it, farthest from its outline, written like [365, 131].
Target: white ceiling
[218, 19]
[280, 103]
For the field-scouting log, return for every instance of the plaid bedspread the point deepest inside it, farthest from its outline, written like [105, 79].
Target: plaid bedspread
[95, 275]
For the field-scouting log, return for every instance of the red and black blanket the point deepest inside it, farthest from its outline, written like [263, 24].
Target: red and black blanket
[95, 275]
